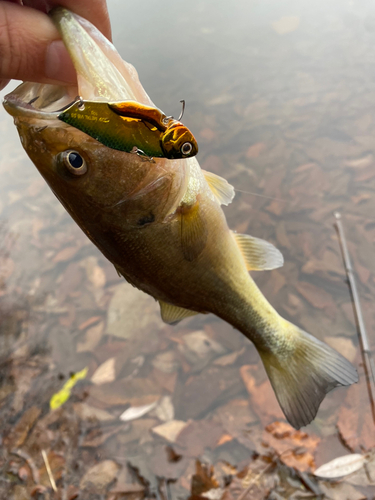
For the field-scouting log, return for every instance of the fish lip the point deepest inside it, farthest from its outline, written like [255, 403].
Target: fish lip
[39, 101]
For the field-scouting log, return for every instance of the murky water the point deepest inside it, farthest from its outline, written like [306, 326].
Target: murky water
[281, 98]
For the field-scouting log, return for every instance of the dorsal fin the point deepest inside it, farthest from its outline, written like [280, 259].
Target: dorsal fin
[221, 189]
[193, 231]
[259, 255]
[173, 314]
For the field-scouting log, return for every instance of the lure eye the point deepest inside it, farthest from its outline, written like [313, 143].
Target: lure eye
[186, 148]
[74, 162]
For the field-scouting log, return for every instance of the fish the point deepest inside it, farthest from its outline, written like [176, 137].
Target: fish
[162, 225]
[132, 127]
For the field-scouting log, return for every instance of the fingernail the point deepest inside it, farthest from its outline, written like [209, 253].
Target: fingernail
[59, 66]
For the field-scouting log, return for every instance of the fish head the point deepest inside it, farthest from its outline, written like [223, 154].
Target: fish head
[178, 142]
[92, 181]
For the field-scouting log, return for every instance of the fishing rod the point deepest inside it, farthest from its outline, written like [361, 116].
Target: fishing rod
[368, 361]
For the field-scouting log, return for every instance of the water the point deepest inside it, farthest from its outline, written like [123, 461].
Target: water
[280, 96]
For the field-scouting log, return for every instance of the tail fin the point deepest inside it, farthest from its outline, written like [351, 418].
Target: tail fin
[302, 378]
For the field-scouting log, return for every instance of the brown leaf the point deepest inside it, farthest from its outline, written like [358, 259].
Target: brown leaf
[198, 435]
[263, 399]
[97, 478]
[317, 297]
[65, 254]
[203, 479]
[22, 428]
[255, 150]
[295, 448]
[355, 422]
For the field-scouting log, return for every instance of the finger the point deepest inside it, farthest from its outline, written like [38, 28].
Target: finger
[30, 47]
[94, 11]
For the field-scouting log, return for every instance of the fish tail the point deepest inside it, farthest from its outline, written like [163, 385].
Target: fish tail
[301, 376]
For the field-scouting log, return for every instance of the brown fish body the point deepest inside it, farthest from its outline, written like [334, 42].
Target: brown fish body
[161, 224]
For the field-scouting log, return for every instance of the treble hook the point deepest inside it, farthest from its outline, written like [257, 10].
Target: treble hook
[77, 99]
[142, 154]
[182, 111]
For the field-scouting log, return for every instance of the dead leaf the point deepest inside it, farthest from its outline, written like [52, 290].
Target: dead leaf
[355, 423]
[341, 466]
[263, 399]
[65, 254]
[170, 430]
[198, 435]
[203, 479]
[135, 412]
[97, 478]
[255, 150]
[105, 372]
[295, 448]
[132, 313]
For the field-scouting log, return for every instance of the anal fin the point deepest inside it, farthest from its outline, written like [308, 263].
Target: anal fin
[221, 189]
[173, 314]
[259, 255]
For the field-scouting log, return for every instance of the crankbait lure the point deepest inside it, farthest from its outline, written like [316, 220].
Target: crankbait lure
[132, 127]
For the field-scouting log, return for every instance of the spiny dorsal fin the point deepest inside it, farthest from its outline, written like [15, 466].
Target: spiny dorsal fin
[173, 314]
[221, 189]
[193, 231]
[259, 255]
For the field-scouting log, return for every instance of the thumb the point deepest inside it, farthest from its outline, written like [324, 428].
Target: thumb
[30, 47]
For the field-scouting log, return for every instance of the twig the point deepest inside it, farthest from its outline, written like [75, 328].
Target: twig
[368, 362]
[49, 472]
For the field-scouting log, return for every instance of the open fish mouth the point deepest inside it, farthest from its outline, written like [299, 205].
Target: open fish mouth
[102, 75]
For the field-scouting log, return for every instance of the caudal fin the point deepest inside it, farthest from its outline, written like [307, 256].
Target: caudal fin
[302, 378]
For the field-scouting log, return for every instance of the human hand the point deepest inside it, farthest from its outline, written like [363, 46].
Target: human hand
[30, 45]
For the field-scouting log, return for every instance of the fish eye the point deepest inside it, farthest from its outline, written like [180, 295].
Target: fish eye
[186, 148]
[74, 162]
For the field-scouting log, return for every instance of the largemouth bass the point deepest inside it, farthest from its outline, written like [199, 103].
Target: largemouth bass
[161, 223]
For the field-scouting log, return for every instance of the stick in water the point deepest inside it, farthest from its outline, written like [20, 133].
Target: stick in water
[363, 339]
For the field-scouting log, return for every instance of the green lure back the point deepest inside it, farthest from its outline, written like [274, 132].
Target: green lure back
[131, 127]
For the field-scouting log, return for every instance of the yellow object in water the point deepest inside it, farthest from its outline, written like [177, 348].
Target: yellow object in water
[64, 393]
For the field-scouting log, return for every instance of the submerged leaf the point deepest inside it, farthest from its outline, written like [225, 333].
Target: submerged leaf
[341, 466]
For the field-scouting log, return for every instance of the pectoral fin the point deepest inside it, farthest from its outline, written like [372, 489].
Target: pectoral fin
[173, 314]
[260, 255]
[221, 189]
[193, 231]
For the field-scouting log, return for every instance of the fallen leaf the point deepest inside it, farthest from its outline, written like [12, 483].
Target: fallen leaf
[263, 399]
[90, 413]
[295, 448]
[255, 150]
[170, 430]
[198, 435]
[132, 313]
[65, 254]
[105, 372]
[91, 339]
[135, 412]
[341, 466]
[97, 478]
[355, 423]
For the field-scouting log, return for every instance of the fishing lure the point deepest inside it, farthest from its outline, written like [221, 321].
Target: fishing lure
[132, 127]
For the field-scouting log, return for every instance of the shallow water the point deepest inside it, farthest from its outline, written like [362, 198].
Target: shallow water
[280, 96]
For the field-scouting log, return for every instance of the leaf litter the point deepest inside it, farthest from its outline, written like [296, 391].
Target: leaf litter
[201, 418]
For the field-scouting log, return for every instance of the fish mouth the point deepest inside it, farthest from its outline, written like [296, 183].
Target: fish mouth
[102, 75]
